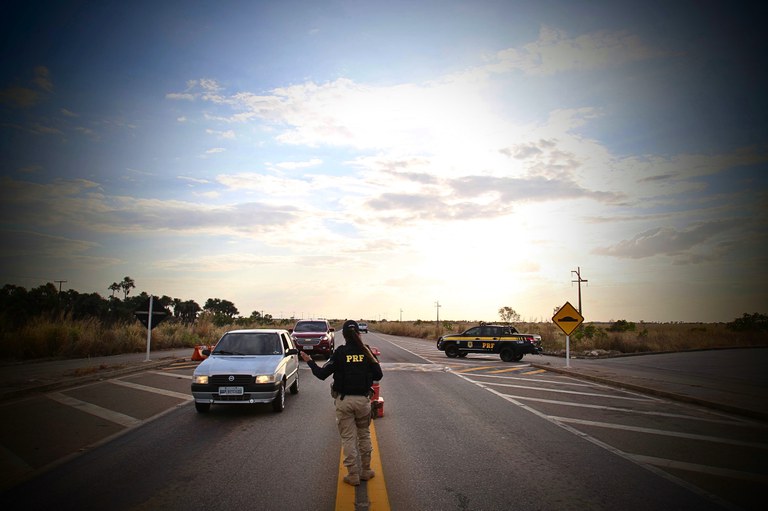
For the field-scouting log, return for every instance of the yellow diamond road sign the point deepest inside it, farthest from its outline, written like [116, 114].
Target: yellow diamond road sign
[567, 318]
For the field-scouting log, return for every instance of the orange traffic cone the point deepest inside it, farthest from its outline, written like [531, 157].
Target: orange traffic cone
[197, 354]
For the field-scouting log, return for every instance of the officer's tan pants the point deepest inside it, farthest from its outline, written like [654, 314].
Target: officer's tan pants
[353, 416]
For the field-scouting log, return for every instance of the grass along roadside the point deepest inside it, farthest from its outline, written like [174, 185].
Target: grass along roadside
[67, 338]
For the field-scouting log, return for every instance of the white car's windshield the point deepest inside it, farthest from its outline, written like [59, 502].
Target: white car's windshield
[248, 344]
[310, 326]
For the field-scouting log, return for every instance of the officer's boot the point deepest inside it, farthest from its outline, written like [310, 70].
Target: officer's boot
[366, 473]
[352, 477]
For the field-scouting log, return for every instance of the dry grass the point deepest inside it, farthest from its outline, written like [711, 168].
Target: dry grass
[647, 337]
[67, 338]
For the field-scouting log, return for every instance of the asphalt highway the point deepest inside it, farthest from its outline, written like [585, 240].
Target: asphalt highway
[682, 431]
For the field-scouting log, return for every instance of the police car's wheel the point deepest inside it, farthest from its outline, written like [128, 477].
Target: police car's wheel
[452, 351]
[202, 407]
[507, 355]
[518, 357]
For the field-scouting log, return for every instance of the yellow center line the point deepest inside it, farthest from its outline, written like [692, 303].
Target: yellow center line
[345, 494]
[475, 369]
[536, 372]
[376, 487]
[518, 368]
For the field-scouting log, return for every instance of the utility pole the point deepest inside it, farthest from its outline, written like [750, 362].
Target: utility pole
[58, 296]
[577, 271]
[437, 323]
[401, 315]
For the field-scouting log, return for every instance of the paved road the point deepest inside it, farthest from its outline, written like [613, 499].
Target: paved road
[473, 433]
[19, 379]
[731, 380]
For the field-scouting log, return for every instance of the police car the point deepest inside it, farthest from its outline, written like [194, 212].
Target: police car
[503, 340]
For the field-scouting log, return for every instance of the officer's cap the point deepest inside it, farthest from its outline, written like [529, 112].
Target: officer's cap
[350, 325]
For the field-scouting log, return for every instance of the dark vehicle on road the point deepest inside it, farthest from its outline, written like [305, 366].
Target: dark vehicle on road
[314, 336]
[503, 340]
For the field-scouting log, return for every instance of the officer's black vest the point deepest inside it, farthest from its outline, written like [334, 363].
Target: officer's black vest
[354, 376]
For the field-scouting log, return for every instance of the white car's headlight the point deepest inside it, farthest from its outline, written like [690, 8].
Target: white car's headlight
[265, 378]
[200, 378]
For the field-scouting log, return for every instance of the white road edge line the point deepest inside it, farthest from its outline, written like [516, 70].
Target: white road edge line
[651, 468]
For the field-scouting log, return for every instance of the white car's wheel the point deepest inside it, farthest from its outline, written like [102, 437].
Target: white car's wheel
[278, 404]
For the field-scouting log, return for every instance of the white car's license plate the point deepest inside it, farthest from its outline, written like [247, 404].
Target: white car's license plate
[230, 391]
[307, 348]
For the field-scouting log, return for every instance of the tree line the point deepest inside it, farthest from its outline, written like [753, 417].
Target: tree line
[19, 306]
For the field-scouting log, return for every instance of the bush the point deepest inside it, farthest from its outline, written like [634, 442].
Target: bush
[749, 323]
[622, 325]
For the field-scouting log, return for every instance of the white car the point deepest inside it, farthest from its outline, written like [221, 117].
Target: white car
[247, 367]
[362, 326]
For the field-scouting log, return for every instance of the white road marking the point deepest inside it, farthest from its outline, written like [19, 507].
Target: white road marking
[703, 469]
[170, 393]
[629, 410]
[558, 391]
[653, 431]
[98, 411]
[538, 380]
[172, 375]
[618, 452]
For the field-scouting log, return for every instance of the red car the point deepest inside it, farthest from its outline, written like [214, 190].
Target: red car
[314, 336]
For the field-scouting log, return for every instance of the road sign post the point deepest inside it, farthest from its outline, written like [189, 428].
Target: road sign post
[150, 319]
[568, 319]
[149, 326]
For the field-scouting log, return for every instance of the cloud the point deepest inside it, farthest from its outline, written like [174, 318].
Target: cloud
[271, 186]
[556, 52]
[193, 180]
[20, 97]
[82, 205]
[24, 97]
[511, 190]
[42, 79]
[669, 240]
[29, 243]
[294, 165]
[36, 254]
[234, 261]
[342, 113]
[228, 134]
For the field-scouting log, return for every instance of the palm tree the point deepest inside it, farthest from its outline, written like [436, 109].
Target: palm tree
[126, 285]
[114, 287]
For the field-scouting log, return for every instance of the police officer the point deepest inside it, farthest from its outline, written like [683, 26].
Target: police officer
[354, 369]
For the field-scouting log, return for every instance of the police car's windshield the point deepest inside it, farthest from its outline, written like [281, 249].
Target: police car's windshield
[248, 344]
[310, 326]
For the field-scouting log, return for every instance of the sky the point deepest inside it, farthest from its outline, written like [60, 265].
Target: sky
[391, 160]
